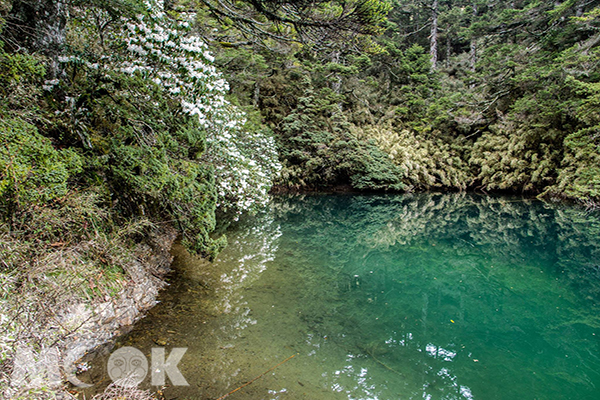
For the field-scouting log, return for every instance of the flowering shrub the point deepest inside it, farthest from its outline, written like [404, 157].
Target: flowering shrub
[167, 52]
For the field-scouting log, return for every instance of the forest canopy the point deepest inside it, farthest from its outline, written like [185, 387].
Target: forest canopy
[319, 22]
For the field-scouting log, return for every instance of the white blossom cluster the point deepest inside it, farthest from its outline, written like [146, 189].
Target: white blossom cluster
[167, 52]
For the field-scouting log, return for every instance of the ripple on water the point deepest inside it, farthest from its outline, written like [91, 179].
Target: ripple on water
[390, 297]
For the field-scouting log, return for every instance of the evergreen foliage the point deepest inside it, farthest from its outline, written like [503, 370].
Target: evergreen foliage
[320, 149]
[509, 106]
[33, 171]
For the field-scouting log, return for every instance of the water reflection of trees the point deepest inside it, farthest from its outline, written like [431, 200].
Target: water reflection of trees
[216, 361]
[253, 246]
[470, 224]
[526, 306]
[362, 288]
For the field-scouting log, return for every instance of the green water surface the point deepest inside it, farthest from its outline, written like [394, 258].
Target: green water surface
[450, 296]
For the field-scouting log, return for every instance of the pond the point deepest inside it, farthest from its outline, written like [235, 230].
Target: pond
[453, 296]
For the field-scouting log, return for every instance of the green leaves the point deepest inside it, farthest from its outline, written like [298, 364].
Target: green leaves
[320, 150]
[515, 80]
[319, 22]
[32, 171]
[139, 111]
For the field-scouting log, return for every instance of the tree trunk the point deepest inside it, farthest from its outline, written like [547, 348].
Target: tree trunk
[473, 55]
[256, 95]
[448, 47]
[473, 52]
[39, 26]
[433, 44]
[336, 84]
[580, 9]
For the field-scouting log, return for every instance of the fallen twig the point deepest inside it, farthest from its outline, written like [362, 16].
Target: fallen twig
[260, 376]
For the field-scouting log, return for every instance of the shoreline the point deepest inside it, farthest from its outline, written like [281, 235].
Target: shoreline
[84, 325]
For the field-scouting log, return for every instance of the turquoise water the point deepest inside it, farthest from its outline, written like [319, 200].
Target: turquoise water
[390, 297]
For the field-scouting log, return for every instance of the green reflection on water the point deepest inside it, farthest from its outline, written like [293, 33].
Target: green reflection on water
[391, 297]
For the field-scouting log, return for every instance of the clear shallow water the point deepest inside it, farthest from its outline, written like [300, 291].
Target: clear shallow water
[390, 297]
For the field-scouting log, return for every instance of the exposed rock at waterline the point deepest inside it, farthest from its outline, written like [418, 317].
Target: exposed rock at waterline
[85, 325]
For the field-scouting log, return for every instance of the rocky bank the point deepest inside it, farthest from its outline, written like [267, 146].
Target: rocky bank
[78, 325]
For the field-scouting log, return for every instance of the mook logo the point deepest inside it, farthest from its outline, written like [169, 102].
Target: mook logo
[128, 367]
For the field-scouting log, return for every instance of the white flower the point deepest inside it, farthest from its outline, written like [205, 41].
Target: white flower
[166, 53]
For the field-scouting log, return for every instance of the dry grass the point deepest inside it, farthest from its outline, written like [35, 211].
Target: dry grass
[54, 257]
[121, 390]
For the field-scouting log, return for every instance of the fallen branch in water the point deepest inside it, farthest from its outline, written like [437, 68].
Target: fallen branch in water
[258, 377]
[383, 364]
